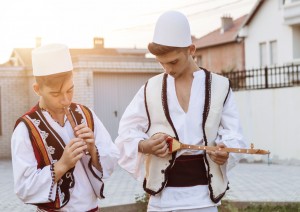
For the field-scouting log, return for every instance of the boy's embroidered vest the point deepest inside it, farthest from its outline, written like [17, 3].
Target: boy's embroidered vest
[157, 169]
[48, 148]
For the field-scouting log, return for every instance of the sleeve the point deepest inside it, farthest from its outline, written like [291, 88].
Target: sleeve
[132, 128]
[108, 152]
[108, 156]
[230, 131]
[32, 185]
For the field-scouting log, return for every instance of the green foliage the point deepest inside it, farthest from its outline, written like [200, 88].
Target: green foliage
[259, 207]
[226, 206]
[142, 201]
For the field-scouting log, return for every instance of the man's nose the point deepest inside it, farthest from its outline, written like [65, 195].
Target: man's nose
[168, 69]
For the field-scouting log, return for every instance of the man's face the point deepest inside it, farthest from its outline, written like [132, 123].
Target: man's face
[174, 63]
[56, 98]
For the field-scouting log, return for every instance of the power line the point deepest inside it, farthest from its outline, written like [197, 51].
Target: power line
[215, 8]
[178, 8]
[146, 26]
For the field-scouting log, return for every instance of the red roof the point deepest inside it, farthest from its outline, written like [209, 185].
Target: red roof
[217, 38]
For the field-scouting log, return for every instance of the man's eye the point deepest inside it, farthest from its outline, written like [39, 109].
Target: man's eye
[173, 62]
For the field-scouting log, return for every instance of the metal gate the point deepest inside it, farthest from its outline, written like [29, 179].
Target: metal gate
[112, 93]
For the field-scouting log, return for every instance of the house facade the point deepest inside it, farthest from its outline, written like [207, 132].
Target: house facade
[272, 34]
[222, 50]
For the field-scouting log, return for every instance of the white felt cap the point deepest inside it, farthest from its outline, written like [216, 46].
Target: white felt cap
[51, 59]
[172, 29]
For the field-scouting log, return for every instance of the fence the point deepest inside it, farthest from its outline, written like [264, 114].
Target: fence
[264, 78]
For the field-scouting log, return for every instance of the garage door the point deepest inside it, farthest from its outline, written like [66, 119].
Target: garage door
[113, 92]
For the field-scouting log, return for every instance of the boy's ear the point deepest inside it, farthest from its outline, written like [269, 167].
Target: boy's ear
[36, 88]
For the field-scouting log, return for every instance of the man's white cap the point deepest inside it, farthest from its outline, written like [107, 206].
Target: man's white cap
[172, 29]
[51, 59]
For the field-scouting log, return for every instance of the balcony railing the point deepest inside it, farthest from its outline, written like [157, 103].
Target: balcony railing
[264, 78]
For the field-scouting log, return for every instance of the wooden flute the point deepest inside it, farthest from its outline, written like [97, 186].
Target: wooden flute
[72, 122]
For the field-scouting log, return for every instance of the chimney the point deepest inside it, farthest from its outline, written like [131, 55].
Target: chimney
[98, 43]
[227, 23]
[38, 42]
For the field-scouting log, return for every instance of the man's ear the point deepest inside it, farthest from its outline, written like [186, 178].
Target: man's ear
[192, 49]
[36, 88]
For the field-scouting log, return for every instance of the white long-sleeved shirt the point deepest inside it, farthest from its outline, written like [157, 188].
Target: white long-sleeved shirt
[188, 125]
[33, 185]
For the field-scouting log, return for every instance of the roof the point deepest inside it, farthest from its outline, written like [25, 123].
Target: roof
[121, 63]
[24, 54]
[253, 12]
[217, 38]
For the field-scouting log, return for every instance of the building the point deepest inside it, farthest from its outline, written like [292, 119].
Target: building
[105, 79]
[222, 50]
[272, 34]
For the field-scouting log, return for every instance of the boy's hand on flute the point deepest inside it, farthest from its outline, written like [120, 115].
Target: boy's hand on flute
[85, 133]
[73, 152]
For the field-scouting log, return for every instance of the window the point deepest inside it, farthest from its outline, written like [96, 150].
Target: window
[296, 42]
[273, 52]
[263, 54]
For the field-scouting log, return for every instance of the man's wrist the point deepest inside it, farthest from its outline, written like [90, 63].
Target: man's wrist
[141, 148]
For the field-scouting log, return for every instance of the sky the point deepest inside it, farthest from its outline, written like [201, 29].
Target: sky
[122, 23]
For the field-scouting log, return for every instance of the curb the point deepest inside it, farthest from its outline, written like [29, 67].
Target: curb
[139, 207]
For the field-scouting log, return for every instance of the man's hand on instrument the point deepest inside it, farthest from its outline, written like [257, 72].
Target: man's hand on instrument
[84, 132]
[156, 145]
[218, 156]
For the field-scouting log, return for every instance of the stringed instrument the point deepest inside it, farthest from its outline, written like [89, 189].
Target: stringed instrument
[175, 145]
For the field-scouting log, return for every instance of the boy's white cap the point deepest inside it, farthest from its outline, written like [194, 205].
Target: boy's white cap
[172, 29]
[51, 59]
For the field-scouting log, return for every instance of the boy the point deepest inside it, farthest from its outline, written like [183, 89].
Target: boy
[56, 167]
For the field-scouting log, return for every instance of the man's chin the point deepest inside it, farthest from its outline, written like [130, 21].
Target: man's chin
[172, 74]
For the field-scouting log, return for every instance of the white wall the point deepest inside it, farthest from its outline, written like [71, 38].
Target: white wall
[268, 25]
[271, 120]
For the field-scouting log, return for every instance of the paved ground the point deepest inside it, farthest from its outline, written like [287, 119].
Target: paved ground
[248, 183]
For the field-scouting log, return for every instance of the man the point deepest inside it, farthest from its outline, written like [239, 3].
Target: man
[187, 103]
[55, 167]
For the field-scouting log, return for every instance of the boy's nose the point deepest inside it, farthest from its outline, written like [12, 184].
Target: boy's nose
[66, 101]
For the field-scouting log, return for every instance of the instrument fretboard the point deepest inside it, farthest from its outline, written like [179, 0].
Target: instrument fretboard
[215, 148]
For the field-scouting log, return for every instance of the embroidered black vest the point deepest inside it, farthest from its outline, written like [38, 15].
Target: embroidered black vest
[48, 148]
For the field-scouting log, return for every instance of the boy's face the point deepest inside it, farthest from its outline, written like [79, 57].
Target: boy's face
[175, 63]
[55, 98]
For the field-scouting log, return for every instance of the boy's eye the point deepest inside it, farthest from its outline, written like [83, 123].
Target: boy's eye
[55, 94]
[173, 62]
